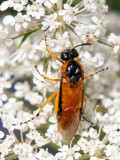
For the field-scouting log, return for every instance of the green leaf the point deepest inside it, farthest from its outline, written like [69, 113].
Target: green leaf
[25, 37]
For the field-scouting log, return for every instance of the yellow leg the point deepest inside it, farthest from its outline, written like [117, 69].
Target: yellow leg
[56, 80]
[51, 53]
[78, 59]
[91, 75]
[85, 100]
[83, 108]
[48, 100]
[56, 104]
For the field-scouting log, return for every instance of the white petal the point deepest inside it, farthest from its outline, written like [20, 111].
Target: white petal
[27, 18]
[69, 158]
[38, 83]
[4, 5]
[17, 27]
[18, 7]
[95, 19]
[53, 1]
[9, 20]
[77, 155]
[25, 24]
[24, 2]
[76, 148]
[37, 16]
[1, 134]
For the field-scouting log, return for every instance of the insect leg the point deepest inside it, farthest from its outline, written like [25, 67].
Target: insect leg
[56, 104]
[82, 109]
[85, 100]
[51, 53]
[78, 59]
[48, 100]
[46, 77]
[91, 75]
[87, 120]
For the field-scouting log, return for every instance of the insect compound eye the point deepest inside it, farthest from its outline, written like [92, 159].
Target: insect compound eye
[64, 56]
[74, 53]
[69, 54]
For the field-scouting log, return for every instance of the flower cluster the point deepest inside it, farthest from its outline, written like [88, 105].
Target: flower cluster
[23, 38]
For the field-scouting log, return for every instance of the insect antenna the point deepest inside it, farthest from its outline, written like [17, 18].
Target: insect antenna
[84, 44]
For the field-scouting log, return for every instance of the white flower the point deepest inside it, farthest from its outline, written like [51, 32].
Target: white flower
[27, 50]
[84, 134]
[22, 149]
[53, 135]
[112, 152]
[82, 30]
[4, 150]
[4, 37]
[93, 133]
[19, 21]
[33, 98]
[84, 145]
[9, 20]
[99, 25]
[114, 137]
[9, 140]
[68, 153]
[50, 21]
[43, 154]
[61, 42]
[89, 61]
[40, 81]
[35, 10]
[4, 83]
[68, 13]
[90, 5]
[21, 88]
[98, 60]
[40, 141]
[107, 102]
[13, 105]
[96, 147]
[47, 3]
[113, 38]
[4, 54]
[33, 134]
[16, 4]
[1, 134]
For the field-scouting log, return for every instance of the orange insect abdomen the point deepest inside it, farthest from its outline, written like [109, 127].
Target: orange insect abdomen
[71, 102]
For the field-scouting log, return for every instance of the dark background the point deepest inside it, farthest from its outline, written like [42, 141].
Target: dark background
[114, 5]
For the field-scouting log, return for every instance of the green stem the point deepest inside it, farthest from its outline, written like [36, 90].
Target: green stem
[29, 31]
[103, 41]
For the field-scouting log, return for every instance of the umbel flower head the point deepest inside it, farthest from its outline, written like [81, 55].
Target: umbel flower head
[65, 24]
